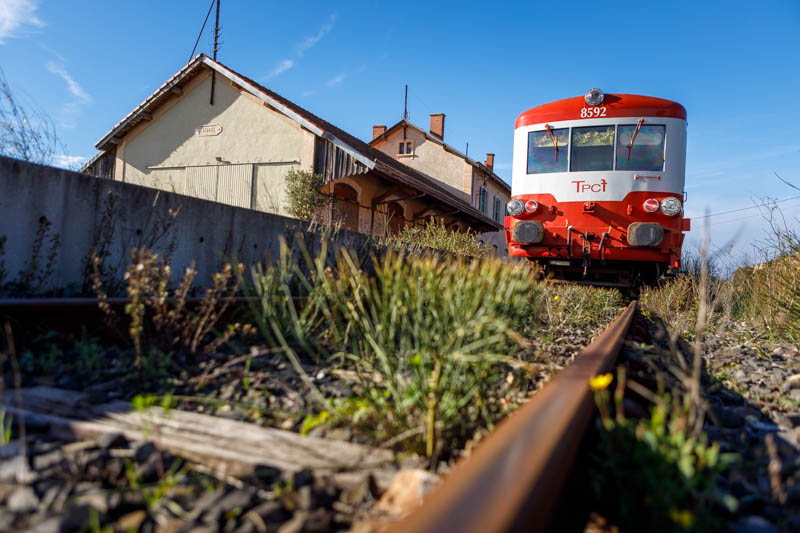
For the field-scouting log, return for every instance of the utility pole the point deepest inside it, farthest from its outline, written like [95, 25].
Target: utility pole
[216, 34]
[216, 47]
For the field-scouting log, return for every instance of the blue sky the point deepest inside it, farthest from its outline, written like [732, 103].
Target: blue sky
[734, 65]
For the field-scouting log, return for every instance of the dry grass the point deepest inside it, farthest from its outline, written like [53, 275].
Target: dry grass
[437, 236]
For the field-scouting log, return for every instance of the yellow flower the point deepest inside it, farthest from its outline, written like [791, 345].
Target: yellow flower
[555, 297]
[600, 382]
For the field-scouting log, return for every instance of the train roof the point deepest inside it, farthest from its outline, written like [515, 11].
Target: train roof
[617, 105]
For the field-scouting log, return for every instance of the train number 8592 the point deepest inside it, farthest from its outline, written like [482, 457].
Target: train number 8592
[590, 112]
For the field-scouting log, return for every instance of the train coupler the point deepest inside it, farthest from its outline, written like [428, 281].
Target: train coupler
[587, 252]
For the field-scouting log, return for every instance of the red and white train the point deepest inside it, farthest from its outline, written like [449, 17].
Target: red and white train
[598, 188]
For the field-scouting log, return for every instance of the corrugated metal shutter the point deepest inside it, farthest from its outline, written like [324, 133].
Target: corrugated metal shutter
[201, 182]
[235, 185]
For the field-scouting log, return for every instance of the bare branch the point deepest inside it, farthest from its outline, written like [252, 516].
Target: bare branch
[786, 182]
[25, 134]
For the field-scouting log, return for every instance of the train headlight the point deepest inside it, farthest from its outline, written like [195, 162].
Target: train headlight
[670, 206]
[527, 232]
[594, 97]
[531, 206]
[515, 207]
[651, 205]
[645, 234]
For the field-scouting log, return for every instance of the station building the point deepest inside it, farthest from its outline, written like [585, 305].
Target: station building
[212, 133]
[471, 181]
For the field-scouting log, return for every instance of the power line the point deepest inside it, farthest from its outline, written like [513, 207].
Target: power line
[785, 210]
[746, 208]
[201, 30]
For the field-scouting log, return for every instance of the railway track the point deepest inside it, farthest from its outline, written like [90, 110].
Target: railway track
[512, 482]
[71, 315]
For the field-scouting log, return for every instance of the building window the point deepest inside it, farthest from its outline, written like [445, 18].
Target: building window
[406, 148]
[483, 200]
[497, 211]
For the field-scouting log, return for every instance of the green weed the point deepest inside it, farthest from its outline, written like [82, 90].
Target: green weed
[428, 338]
[6, 423]
[653, 474]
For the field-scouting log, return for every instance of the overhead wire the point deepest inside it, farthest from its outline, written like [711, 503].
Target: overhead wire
[202, 29]
[747, 208]
[738, 219]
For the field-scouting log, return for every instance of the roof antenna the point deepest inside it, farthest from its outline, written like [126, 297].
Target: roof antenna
[405, 106]
[467, 154]
[216, 47]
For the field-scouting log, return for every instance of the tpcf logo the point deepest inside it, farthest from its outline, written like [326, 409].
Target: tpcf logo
[583, 186]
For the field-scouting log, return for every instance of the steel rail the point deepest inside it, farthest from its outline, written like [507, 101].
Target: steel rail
[69, 315]
[513, 480]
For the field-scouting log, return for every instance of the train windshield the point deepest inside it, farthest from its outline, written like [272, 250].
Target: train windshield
[647, 150]
[592, 148]
[547, 151]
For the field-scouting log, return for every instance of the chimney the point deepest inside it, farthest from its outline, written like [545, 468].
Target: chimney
[437, 125]
[377, 131]
[489, 163]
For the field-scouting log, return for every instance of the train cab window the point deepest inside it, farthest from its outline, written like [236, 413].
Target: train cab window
[642, 150]
[592, 148]
[547, 151]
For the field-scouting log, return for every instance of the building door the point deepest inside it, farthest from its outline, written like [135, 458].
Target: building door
[345, 206]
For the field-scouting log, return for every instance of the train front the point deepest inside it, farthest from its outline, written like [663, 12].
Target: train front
[598, 188]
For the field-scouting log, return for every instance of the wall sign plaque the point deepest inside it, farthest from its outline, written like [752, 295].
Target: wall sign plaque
[208, 130]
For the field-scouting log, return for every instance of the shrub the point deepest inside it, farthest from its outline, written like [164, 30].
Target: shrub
[436, 235]
[160, 322]
[427, 339]
[304, 194]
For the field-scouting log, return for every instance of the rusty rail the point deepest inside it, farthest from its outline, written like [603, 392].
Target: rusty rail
[513, 480]
[70, 315]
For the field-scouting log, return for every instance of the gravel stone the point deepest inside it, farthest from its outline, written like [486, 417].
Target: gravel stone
[143, 450]
[11, 467]
[754, 524]
[232, 500]
[22, 500]
[112, 440]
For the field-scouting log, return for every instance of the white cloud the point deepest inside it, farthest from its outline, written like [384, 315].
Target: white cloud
[309, 42]
[70, 161]
[74, 88]
[307, 93]
[280, 68]
[16, 14]
[333, 82]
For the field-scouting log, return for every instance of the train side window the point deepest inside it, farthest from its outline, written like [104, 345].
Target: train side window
[592, 148]
[647, 150]
[547, 151]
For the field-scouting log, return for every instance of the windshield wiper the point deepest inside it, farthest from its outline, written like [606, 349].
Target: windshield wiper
[553, 139]
[633, 137]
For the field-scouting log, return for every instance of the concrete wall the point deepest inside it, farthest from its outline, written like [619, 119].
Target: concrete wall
[251, 132]
[77, 205]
